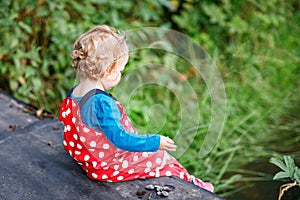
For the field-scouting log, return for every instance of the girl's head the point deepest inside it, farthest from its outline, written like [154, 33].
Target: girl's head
[98, 52]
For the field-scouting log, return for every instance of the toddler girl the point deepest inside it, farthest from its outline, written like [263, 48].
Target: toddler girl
[97, 132]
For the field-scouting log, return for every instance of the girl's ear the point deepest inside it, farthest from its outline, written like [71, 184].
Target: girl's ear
[112, 76]
[106, 74]
[109, 72]
[115, 75]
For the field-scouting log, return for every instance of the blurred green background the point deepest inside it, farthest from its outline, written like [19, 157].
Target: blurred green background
[255, 44]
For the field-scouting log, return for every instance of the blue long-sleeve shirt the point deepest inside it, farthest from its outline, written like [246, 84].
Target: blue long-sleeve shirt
[101, 112]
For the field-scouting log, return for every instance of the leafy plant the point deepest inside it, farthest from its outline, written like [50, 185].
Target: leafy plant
[254, 43]
[289, 170]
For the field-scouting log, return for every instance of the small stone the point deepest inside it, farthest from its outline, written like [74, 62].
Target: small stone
[149, 187]
[166, 188]
[158, 188]
[158, 193]
[171, 187]
[165, 193]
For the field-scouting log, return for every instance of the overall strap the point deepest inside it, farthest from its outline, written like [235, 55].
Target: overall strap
[90, 94]
[70, 92]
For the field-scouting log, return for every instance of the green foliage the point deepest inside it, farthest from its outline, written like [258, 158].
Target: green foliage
[289, 170]
[37, 37]
[288, 167]
[255, 45]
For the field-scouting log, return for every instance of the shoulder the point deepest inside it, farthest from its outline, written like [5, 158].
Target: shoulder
[106, 105]
[104, 101]
[101, 97]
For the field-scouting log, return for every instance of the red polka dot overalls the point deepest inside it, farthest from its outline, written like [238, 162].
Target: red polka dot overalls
[102, 161]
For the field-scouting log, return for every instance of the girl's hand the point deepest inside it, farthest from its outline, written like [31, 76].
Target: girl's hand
[167, 144]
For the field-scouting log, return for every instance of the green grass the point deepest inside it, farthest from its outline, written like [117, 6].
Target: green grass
[262, 89]
[259, 64]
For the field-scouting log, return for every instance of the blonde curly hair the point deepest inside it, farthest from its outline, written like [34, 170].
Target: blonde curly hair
[97, 52]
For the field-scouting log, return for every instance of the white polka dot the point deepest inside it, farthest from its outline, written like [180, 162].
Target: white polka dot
[77, 152]
[116, 167]
[78, 129]
[147, 170]
[63, 114]
[101, 154]
[116, 173]
[188, 176]
[158, 160]
[75, 136]
[171, 165]
[152, 174]
[73, 104]
[168, 157]
[181, 175]
[104, 176]
[71, 144]
[120, 178]
[97, 133]
[106, 168]
[73, 120]
[126, 122]
[65, 143]
[131, 171]
[93, 144]
[70, 152]
[105, 146]
[145, 154]
[79, 163]
[82, 139]
[149, 164]
[92, 150]
[86, 164]
[168, 173]
[79, 146]
[94, 163]
[157, 174]
[68, 127]
[68, 111]
[125, 164]
[135, 158]
[86, 130]
[131, 130]
[103, 164]
[86, 158]
[117, 154]
[94, 175]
